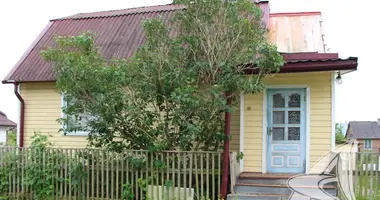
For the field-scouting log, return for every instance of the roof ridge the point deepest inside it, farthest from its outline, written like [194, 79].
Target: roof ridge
[122, 12]
[102, 11]
[138, 10]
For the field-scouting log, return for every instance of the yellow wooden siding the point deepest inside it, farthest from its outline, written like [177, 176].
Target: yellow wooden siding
[253, 126]
[320, 117]
[42, 109]
[235, 129]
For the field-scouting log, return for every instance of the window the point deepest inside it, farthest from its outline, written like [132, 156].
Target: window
[71, 121]
[368, 144]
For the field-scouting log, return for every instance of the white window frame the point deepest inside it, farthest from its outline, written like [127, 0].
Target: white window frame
[368, 143]
[63, 115]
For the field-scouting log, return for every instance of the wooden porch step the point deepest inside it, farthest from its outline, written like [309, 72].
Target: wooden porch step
[282, 186]
[258, 196]
[250, 175]
[253, 175]
[278, 179]
[280, 189]
[253, 196]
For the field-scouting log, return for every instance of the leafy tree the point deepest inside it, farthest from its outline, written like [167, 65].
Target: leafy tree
[11, 137]
[339, 135]
[173, 91]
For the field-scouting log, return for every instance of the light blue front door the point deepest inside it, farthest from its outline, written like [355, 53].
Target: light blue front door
[286, 134]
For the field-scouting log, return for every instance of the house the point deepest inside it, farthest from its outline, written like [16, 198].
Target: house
[5, 125]
[366, 133]
[285, 129]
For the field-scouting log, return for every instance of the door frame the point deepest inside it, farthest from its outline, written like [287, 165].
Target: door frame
[264, 167]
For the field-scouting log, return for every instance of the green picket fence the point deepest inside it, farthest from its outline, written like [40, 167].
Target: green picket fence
[37, 173]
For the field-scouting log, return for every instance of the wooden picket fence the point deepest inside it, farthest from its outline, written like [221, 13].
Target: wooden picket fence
[362, 170]
[101, 174]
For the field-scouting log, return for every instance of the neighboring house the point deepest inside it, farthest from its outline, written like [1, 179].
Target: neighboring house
[285, 129]
[367, 134]
[5, 125]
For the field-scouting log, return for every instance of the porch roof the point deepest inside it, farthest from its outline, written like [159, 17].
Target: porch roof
[313, 62]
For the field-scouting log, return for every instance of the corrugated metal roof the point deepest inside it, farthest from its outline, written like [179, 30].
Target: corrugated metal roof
[364, 130]
[308, 56]
[4, 121]
[312, 58]
[118, 35]
[123, 12]
[312, 62]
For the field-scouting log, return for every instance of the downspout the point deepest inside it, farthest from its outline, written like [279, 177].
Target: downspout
[226, 149]
[22, 113]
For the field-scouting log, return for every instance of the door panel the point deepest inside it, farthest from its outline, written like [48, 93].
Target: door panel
[286, 135]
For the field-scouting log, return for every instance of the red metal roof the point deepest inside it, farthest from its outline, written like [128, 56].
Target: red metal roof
[123, 12]
[290, 57]
[318, 65]
[294, 14]
[118, 35]
[4, 121]
[313, 62]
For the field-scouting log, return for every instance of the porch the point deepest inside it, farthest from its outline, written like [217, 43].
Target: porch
[279, 138]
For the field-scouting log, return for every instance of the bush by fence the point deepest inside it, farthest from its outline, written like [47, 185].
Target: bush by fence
[42, 172]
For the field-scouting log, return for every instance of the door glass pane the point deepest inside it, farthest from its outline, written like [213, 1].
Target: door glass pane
[278, 133]
[294, 117]
[278, 117]
[278, 101]
[294, 133]
[294, 100]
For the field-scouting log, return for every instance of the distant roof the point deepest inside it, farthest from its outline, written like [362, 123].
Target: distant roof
[364, 130]
[4, 121]
[119, 34]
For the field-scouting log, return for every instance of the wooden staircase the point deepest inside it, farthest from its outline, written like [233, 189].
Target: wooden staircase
[257, 186]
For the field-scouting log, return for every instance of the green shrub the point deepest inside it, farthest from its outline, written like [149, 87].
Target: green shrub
[39, 168]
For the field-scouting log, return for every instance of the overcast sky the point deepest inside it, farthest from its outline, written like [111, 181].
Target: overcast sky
[349, 26]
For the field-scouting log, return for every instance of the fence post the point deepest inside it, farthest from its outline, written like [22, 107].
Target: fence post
[234, 170]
